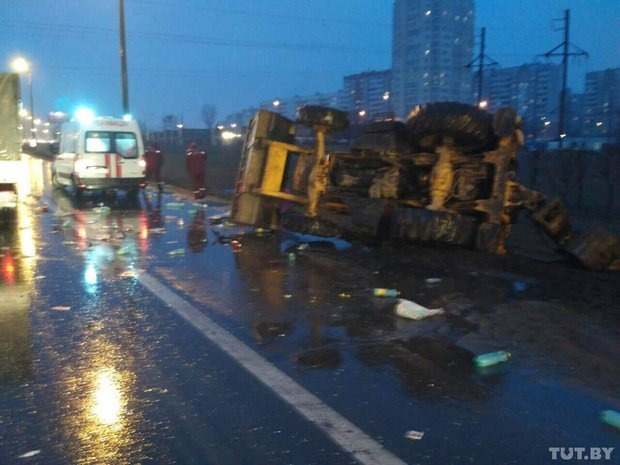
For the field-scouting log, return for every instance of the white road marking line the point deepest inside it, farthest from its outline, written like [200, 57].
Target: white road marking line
[345, 434]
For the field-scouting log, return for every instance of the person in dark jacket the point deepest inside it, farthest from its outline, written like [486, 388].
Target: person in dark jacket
[195, 162]
[154, 159]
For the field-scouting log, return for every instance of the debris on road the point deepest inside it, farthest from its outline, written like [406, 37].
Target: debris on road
[414, 435]
[61, 308]
[432, 281]
[128, 274]
[102, 210]
[125, 251]
[611, 417]
[292, 257]
[344, 295]
[176, 252]
[383, 292]
[492, 358]
[157, 231]
[414, 311]
[32, 453]
[175, 205]
[236, 246]
[181, 222]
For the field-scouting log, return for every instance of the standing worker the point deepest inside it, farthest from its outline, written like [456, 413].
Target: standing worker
[195, 162]
[154, 159]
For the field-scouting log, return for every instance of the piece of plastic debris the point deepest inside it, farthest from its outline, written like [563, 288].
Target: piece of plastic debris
[157, 231]
[200, 205]
[492, 358]
[67, 224]
[172, 242]
[303, 246]
[39, 277]
[611, 417]
[175, 205]
[287, 296]
[236, 246]
[344, 295]
[414, 435]
[176, 252]
[103, 210]
[32, 453]
[414, 311]
[292, 257]
[383, 292]
[61, 308]
[433, 280]
[124, 251]
[180, 222]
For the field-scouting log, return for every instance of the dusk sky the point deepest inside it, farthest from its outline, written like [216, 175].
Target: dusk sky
[236, 53]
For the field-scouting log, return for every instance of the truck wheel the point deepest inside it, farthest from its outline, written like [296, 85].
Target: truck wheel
[311, 115]
[419, 225]
[470, 128]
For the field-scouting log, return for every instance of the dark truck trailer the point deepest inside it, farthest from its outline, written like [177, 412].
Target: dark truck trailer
[446, 175]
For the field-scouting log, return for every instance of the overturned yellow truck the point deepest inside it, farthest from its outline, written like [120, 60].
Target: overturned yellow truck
[446, 175]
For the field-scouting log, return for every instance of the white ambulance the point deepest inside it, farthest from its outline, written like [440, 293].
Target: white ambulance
[100, 153]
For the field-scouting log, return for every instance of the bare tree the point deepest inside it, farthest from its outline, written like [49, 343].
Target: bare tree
[208, 113]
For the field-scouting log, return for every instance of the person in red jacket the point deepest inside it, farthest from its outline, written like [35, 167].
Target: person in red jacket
[195, 162]
[154, 159]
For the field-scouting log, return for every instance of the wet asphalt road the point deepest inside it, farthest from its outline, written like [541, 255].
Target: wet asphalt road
[94, 368]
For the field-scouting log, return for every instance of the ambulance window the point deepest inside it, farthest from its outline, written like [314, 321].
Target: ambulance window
[126, 144]
[98, 142]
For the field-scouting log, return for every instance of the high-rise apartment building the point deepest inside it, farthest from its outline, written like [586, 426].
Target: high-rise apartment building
[602, 104]
[368, 95]
[432, 45]
[533, 90]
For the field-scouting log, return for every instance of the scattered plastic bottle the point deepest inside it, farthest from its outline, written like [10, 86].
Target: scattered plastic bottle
[383, 292]
[611, 417]
[102, 210]
[492, 358]
[181, 222]
[414, 311]
[176, 252]
[292, 257]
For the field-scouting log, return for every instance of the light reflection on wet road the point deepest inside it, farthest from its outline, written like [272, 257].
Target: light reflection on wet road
[96, 370]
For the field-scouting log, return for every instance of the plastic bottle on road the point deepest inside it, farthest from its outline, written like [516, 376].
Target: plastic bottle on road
[383, 292]
[611, 417]
[492, 358]
[414, 311]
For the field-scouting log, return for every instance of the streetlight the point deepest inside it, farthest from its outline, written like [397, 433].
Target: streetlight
[21, 66]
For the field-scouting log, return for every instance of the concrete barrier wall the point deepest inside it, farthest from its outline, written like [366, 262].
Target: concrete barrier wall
[586, 181]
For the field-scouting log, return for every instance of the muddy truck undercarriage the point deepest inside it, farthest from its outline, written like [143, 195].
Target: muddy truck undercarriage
[447, 175]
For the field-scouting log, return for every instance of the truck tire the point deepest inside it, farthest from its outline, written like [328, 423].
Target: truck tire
[420, 225]
[470, 127]
[311, 115]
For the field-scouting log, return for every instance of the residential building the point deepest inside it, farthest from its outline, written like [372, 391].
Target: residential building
[533, 90]
[432, 45]
[602, 104]
[368, 95]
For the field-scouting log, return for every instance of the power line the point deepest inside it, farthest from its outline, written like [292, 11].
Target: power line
[64, 29]
[254, 15]
[483, 60]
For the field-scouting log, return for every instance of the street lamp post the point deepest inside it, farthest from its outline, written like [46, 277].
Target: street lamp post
[21, 66]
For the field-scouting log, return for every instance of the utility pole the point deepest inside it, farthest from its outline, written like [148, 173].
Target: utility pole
[121, 7]
[481, 59]
[565, 54]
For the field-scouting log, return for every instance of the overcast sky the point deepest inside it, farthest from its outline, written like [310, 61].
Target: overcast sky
[236, 53]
